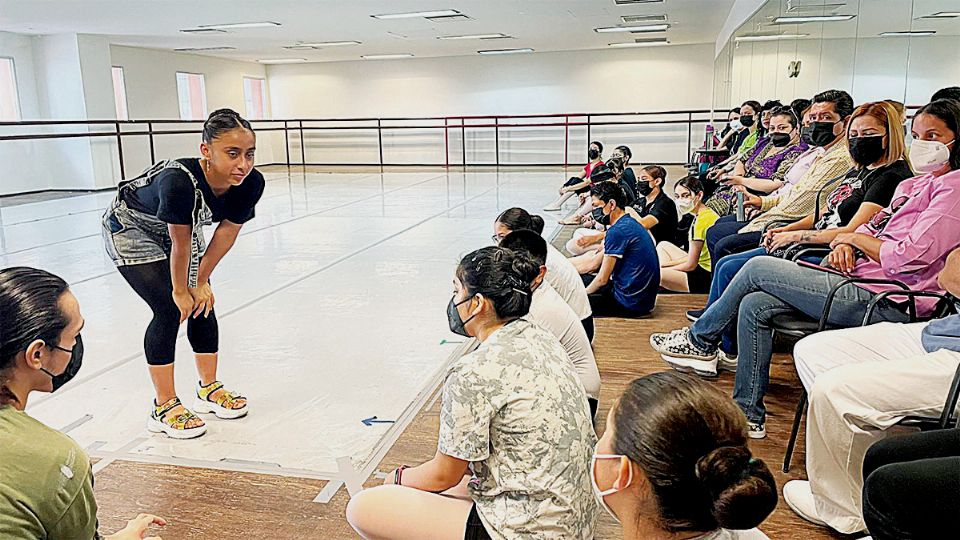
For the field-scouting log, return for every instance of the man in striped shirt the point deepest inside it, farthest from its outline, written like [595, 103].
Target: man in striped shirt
[829, 114]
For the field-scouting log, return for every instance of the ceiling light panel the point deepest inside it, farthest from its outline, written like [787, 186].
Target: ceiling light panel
[633, 28]
[386, 56]
[418, 14]
[640, 43]
[476, 36]
[942, 15]
[321, 44]
[770, 37]
[635, 2]
[282, 60]
[636, 19]
[239, 26]
[197, 49]
[909, 33]
[506, 51]
[800, 19]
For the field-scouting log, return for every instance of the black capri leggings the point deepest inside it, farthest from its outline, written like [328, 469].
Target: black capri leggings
[152, 282]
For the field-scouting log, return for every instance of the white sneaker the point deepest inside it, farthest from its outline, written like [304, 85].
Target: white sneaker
[552, 207]
[703, 368]
[658, 339]
[799, 498]
[726, 362]
[756, 431]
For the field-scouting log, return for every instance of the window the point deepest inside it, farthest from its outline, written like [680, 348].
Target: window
[120, 93]
[9, 102]
[255, 96]
[193, 96]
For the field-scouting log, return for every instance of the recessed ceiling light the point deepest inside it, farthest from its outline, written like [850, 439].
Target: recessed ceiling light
[385, 56]
[231, 26]
[942, 15]
[909, 33]
[418, 14]
[330, 44]
[640, 43]
[476, 36]
[506, 51]
[770, 37]
[641, 28]
[812, 18]
[192, 49]
[282, 60]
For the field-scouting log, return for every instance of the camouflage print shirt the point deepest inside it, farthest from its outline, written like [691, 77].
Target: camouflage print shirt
[516, 410]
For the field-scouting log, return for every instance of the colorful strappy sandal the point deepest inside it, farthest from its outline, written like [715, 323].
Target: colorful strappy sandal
[175, 426]
[227, 405]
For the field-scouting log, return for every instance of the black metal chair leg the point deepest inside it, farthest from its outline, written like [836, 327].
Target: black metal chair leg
[797, 418]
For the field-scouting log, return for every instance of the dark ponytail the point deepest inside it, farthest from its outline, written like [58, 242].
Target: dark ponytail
[690, 440]
[29, 310]
[221, 121]
[501, 276]
[518, 219]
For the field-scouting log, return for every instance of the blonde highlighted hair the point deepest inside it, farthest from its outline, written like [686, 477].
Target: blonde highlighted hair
[887, 114]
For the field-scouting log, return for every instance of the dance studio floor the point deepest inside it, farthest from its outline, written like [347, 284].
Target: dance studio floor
[332, 309]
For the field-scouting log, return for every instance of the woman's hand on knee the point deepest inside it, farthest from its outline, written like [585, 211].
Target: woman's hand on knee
[184, 302]
[203, 300]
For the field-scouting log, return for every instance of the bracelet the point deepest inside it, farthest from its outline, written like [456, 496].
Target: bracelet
[398, 474]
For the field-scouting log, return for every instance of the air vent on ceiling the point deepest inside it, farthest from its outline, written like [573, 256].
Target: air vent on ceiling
[633, 19]
[203, 31]
[631, 2]
[198, 49]
[449, 18]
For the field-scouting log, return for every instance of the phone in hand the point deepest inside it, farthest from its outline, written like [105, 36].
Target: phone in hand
[821, 268]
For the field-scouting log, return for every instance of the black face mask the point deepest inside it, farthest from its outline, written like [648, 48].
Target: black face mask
[644, 188]
[69, 372]
[780, 140]
[457, 324]
[747, 121]
[805, 132]
[821, 133]
[598, 216]
[866, 150]
[593, 154]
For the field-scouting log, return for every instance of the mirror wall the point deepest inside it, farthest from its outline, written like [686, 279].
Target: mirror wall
[875, 49]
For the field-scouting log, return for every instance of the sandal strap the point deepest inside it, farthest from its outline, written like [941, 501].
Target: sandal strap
[225, 399]
[181, 420]
[204, 391]
[161, 410]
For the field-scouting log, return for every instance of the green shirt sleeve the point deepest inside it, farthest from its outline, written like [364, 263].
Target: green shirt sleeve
[79, 521]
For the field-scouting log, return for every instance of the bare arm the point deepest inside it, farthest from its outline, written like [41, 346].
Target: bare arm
[603, 276]
[439, 474]
[688, 264]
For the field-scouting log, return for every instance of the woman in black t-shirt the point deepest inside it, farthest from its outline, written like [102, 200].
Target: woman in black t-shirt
[153, 231]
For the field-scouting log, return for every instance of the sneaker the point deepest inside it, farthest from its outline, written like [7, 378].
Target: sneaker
[726, 362]
[757, 431]
[658, 339]
[678, 345]
[799, 498]
[694, 314]
[703, 368]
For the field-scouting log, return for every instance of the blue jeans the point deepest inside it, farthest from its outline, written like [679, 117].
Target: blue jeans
[723, 273]
[722, 228]
[763, 289]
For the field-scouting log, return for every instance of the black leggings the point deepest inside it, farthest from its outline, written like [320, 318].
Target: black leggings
[152, 282]
[912, 486]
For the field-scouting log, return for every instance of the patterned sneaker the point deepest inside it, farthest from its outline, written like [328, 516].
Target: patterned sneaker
[678, 345]
[227, 405]
[183, 425]
[657, 340]
[756, 431]
[726, 362]
[694, 314]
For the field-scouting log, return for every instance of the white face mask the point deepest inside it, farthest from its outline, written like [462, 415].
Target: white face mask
[685, 205]
[929, 156]
[736, 125]
[600, 494]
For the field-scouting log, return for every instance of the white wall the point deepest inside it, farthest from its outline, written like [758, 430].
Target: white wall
[621, 80]
[869, 68]
[151, 82]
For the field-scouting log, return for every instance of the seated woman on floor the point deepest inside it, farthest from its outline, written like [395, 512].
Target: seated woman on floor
[513, 457]
[46, 485]
[908, 241]
[876, 145]
[561, 274]
[579, 185]
[665, 469]
[611, 171]
[688, 271]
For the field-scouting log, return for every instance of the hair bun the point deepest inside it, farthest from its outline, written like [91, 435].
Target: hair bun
[742, 488]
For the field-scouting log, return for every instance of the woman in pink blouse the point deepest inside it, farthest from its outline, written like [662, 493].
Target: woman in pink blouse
[908, 241]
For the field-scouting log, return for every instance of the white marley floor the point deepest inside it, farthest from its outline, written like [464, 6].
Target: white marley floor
[331, 308]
